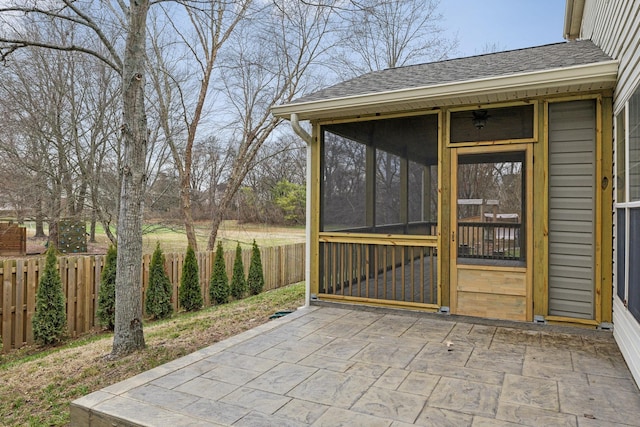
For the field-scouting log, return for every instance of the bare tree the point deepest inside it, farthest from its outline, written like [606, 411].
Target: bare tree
[391, 33]
[41, 93]
[128, 60]
[210, 26]
[269, 64]
[128, 333]
[212, 162]
[280, 162]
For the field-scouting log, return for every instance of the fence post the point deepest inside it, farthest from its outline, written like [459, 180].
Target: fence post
[98, 262]
[87, 306]
[70, 273]
[6, 306]
[20, 291]
[32, 283]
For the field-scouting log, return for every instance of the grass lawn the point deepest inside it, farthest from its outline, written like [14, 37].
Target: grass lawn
[173, 239]
[37, 384]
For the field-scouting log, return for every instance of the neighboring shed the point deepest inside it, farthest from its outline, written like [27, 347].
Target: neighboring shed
[392, 152]
[13, 239]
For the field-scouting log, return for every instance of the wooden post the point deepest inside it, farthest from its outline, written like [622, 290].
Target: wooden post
[97, 272]
[32, 283]
[444, 210]
[541, 221]
[7, 340]
[67, 267]
[81, 290]
[20, 306]
[88, 297]
[606, 186]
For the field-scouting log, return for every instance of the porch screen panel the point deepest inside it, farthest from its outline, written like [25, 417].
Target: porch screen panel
[387, 194]
[423, 199]
[572, 158]
[494, 124]
[378, 176]
[343, 184]
[490, 209]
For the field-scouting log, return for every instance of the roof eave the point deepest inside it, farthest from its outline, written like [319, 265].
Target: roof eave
[600, 72]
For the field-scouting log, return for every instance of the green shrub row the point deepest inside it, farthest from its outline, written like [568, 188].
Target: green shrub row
[50, 321]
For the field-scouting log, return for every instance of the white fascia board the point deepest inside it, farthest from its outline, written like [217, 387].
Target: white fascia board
[600, 72]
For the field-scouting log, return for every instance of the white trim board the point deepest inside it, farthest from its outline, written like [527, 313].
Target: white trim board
[626, 331]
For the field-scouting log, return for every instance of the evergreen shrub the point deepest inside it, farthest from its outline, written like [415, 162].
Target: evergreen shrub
[190, 293]
[158, 298]
[50, 319]
[219, 285]
[238, 282]
[255, 281]
[107, 293]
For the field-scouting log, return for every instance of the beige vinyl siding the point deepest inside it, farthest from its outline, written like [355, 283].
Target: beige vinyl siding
[614, 26]
[572, 143]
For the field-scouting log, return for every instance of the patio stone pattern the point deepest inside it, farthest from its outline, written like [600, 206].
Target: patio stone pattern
[339, 365]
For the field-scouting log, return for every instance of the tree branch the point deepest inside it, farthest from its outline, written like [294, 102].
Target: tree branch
[81, 19]
[14, 45]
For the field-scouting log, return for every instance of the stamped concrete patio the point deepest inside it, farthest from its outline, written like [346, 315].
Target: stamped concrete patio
[332, 365]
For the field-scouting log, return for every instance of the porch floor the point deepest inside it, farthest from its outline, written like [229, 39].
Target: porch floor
[335, 365]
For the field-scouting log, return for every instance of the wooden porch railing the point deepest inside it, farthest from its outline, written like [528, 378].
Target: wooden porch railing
[499, 241]
[396, 269]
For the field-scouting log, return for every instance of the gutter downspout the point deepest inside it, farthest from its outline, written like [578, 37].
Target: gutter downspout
[573, 14]
[295, 125]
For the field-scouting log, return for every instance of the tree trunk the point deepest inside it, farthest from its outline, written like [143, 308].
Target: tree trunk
[128, 333]
[215, 225]
[188, 220]
[92, 227]
[39, 219]
[53, 232]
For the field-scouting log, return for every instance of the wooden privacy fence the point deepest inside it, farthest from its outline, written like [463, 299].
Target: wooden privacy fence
[282, 265]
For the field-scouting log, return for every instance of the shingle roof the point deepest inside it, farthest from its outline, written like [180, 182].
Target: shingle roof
[499, 64]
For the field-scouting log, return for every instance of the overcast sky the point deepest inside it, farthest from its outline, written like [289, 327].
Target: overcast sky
[509, 24]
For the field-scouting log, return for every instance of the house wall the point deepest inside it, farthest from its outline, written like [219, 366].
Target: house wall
[613, 26]
[572, 209]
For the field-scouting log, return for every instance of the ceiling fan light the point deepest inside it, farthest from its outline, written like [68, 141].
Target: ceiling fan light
[479, 123]
[480, 118]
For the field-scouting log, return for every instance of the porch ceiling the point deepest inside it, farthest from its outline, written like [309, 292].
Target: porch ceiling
[574, 79]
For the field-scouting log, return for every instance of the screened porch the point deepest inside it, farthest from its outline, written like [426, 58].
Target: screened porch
[379, 210]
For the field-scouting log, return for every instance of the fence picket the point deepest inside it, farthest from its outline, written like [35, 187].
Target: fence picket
[32, 281]
[18, 326]
[6, 305]
[87, 303]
